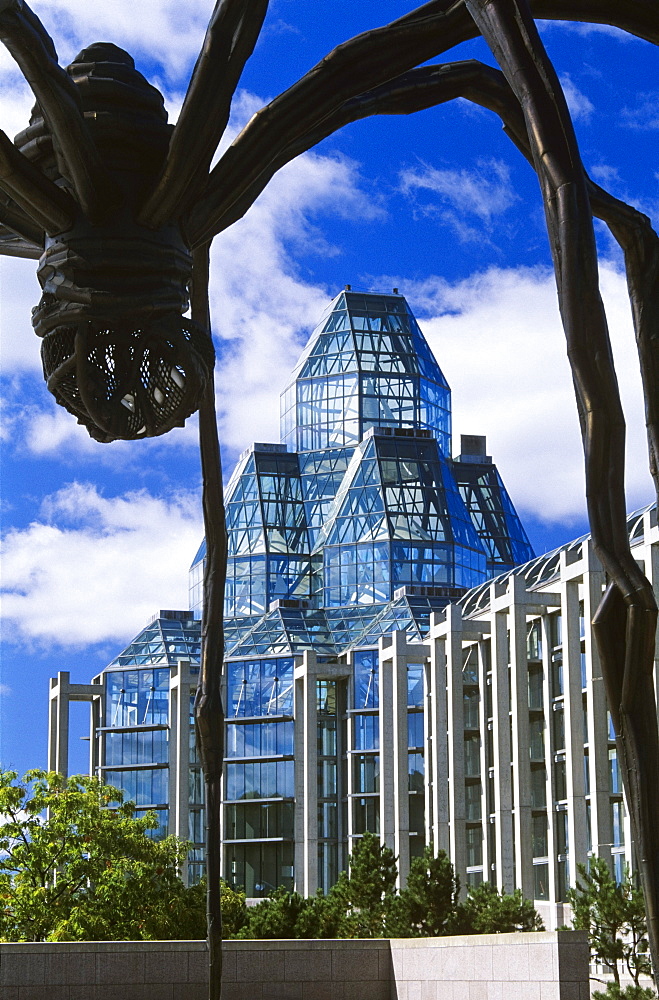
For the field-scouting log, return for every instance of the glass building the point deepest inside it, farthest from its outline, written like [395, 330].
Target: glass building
[397, 661]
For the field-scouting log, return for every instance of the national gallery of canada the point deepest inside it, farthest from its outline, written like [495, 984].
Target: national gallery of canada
[397, 660]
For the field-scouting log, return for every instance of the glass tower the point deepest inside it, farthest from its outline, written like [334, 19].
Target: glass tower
[361, 499]
[358, 524]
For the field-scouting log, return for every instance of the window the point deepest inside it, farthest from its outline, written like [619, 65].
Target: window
[540, 835]
[541, 881]
[536, 677]
[474, 846]
[366, 772]
[538, 787]
[472, 758]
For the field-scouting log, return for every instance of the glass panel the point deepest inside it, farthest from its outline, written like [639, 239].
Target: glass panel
[473, 794]
[367, 815]
[416, 768]
[535, 687]
[366, 770]
[558, 716]
[541, 881]
[615, 779]
[538, 787]
[617, 823]
[367, 732]
[366, 679]
[563, 879]
[537, 738]
[417, 815]
[261, 820]
[471, 700]
[415, 729]
[257, 869]
[474, 845]
[560, 780]
[415, 685]
[145, 787]
[540, 835]
[472, 745]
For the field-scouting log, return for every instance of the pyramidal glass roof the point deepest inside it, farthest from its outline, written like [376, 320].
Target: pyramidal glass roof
[171, 636]
[366, 364]
[368, 333]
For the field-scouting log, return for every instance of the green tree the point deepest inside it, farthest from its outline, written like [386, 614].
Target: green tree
[275, 917]
[234, 910]
[427, 905]
[286, 914]
[367, 894]
[614, 916]
[614, 991]
[75, 864]
[488, 911]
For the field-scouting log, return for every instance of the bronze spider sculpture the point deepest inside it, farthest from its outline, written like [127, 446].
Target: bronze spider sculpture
[120, 209]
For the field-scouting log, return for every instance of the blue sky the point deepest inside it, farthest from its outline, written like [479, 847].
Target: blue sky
[99, 537]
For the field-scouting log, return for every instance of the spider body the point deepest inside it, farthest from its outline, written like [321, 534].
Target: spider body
[117, 351]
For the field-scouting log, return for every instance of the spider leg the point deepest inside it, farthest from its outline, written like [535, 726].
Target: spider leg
[625, 625]
[13, 245]
[208, 708]
[32, 48]
[18, 228]
[360, 65]
[232, 190]
[230, 39]
[625, 636]
[49, 205]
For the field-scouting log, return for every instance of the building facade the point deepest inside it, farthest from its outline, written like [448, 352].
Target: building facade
[396, 660]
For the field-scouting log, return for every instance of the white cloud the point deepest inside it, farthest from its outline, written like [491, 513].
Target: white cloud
[262, 308]
[498, 339]
[19, 291]
[646, 113]
[581, 107]
[483, 192]
[163, 30]
[586, 28]
[93, 568]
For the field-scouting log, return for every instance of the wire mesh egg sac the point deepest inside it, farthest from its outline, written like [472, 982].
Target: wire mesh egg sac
[127, 383]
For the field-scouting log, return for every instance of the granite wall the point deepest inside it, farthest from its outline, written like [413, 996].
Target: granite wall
[542, 966]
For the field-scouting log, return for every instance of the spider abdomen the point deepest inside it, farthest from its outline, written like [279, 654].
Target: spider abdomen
[117, 349]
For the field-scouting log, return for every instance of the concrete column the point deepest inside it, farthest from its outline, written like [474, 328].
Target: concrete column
[62, 693]
[180, 685]
[94, 735]
[427, 751]
[501, 733]
[310, 773]
[598, 759]
[519, 682]
[456, 741]
[388, 756]
[58, 723]
[350, 746]
[299, 777]
[401, 795]
[574, 727]
[438, 736]
[483, 663]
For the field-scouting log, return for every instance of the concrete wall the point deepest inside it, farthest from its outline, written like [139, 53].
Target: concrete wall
[544, 966]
